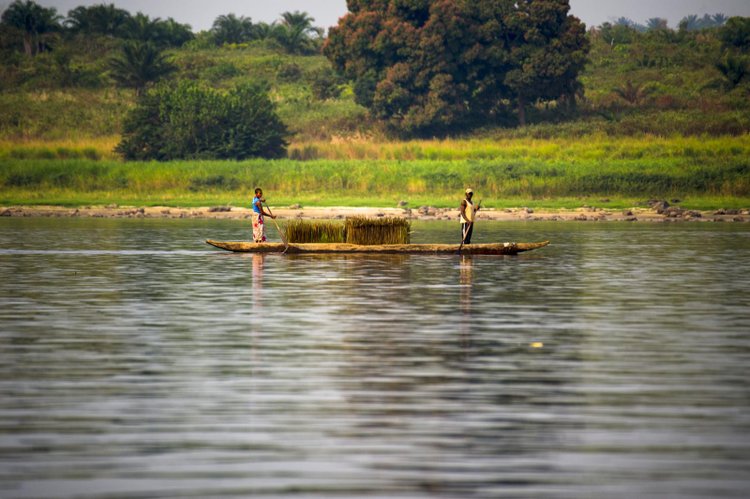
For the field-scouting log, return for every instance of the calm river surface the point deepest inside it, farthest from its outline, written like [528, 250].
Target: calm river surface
[136, 361]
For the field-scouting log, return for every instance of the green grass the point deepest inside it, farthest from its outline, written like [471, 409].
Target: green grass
[710, 172]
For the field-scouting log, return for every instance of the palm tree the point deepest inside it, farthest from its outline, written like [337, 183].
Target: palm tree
[297, 19]
[624, 21]
[690, 23]
[175, 34]
[297, 33]
[634, 93]
[33, 21]
[98, 19]
[719, 19]
[142, 28]
[232, 29]
[734, 69]
[139, 65]
[264, 31]
[656, 23]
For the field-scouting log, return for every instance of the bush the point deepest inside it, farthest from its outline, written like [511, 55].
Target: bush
[191, 121]
[326, 84]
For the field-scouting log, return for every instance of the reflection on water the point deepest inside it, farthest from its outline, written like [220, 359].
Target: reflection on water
[137, 362]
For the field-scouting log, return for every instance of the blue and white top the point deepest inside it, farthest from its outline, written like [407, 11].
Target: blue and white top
[256, 205]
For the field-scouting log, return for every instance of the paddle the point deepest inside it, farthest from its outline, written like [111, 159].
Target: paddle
[281, 232]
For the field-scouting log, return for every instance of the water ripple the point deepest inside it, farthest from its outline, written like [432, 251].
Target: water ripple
[135, 362]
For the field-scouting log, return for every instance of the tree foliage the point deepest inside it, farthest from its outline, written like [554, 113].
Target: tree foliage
[426, 66]
[139, 64]
[232, 29]
[192, 121]
[106, 20]
[33, 22]
[694, 22]
[735, 34]
[295, 32]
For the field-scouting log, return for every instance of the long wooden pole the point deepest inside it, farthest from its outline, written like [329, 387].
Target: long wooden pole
[281, 232]
[463, 239]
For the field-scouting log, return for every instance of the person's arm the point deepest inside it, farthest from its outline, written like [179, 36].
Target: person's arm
[463, 209]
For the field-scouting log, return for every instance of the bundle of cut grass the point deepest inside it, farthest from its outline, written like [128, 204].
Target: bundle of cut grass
[305, 231]
[371, 231]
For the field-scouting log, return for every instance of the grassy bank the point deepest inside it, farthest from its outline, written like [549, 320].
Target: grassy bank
[704, 173]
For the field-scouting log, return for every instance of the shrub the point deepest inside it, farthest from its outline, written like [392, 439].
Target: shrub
[290, 73]
[191, 121]
[326, 85]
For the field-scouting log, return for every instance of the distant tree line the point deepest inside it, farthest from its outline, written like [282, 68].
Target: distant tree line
[37, 27]
[688, 23]
[294, 33]
[733, 33]
[140, 41]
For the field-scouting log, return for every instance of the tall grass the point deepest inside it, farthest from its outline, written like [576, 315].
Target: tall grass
[83, 148]
[686, 169]
[499, 147]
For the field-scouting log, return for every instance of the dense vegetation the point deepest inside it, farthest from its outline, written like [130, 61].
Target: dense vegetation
[658, 81]
[68, 85]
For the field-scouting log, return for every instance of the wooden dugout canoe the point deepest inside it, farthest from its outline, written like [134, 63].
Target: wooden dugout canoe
[468, 249]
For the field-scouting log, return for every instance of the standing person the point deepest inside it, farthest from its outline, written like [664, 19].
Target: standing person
[468, 211]
[259, 228]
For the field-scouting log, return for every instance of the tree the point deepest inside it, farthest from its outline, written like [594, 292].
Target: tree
[617, 34]
[719, 19]
[430, 66]
[633, 93]
[232, 29]
[33, 21]
[264, 31]
[296, 33]
[139, 64]
[656, 23]
[191, 121]
[735, 34]
[550, 51]
[106, 20]
[690, 23]
[734, 69]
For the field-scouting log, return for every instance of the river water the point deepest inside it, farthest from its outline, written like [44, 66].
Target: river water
[136, 361]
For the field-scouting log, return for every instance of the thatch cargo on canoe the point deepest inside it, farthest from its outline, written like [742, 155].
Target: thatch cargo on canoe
[313, 248]
[309, 231]
[354, 230]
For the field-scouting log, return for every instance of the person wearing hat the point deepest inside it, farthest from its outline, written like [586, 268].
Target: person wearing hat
[468, 213]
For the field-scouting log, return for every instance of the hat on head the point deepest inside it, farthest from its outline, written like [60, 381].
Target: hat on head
[469, 191]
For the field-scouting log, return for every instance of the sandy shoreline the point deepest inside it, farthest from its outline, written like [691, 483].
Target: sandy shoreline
[659, 214]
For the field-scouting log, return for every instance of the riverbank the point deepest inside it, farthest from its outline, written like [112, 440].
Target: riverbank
[660, 211]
